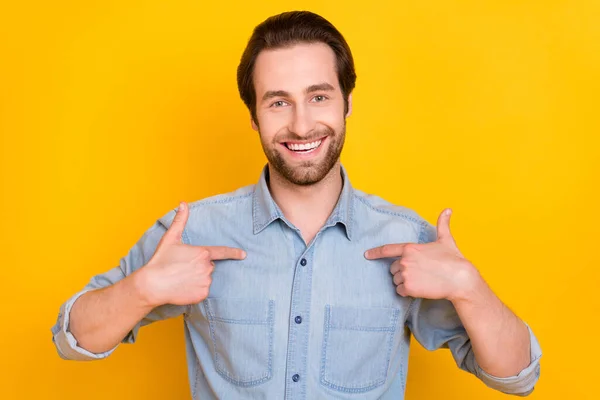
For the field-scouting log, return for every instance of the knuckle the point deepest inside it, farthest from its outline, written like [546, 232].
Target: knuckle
[411, 248]
[203, 254]
[204, 293]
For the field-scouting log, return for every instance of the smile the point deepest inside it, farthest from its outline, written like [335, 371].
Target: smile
[304, 147]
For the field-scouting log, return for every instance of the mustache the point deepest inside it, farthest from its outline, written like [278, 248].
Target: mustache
[316, 134]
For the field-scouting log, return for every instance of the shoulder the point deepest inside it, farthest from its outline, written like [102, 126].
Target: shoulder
[375, 208]
[209, 206]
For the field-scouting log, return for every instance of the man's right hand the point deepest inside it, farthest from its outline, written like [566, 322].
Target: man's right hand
[178, 273]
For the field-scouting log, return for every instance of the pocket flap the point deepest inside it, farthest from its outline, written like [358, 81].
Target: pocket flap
[375, 319]
[242, 311]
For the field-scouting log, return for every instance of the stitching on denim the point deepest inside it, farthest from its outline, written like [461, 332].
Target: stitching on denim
[422, 233]
[271, 219]
[239, 321]
[251, 381]
[373, 383]
[195, 388]
[208, 201]
[254, 381]
[409, 308]
[309, 276]
[349, 228]
[402, 215]
[212, 332]
[259, 227]
[271, 334]
[324, 347]
[361, 328]
[292, 337]
[393, 323]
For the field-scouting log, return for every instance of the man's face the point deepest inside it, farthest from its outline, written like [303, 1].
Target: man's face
[300, 111]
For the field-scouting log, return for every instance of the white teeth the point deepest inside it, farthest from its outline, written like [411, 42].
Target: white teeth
[306, 146]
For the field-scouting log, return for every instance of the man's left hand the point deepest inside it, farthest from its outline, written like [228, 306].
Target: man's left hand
[435, 270]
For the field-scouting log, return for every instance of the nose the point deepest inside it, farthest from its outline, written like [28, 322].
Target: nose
[301, 122]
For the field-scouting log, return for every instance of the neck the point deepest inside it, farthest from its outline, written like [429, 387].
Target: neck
[307, 207]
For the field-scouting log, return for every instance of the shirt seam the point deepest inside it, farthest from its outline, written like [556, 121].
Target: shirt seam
[417, 220]
[219, 200]
[397, 214]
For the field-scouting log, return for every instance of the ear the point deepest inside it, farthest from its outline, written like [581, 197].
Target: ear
[349, 105]
[253, 124]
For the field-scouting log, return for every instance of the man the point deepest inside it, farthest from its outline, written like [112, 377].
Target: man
[302, 287]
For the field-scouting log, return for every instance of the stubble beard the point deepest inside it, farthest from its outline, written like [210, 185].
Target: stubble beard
[307, 172]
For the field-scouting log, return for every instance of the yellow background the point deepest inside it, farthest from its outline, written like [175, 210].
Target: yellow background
[113, 112]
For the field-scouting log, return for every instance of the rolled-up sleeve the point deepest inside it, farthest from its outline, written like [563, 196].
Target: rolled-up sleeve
[65, 342]
[138, 256]
[435, 324]
[522, 383]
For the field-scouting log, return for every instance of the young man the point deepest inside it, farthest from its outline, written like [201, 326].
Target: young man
[302, 287]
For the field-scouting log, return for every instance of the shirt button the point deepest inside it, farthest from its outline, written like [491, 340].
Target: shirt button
[298, 319]
[303, 262]
[296, 377]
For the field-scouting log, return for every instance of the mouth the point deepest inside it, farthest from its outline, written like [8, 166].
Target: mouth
[304, 147]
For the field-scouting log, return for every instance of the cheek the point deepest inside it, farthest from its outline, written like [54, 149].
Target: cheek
[272, 123]
[333, 114]
[333, 119]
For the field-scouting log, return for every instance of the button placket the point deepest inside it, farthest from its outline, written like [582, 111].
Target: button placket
[298, 330]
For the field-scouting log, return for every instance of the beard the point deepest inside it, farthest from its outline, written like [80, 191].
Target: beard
[306, 172]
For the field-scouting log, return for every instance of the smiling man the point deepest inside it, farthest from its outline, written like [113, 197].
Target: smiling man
[301, 286]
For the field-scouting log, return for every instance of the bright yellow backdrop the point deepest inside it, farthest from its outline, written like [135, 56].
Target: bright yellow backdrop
[112, 112]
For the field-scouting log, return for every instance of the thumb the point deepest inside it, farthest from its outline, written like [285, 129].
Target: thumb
[443, 226]
[173, 234]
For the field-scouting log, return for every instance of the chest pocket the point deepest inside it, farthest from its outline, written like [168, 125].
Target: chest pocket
[242, 337]
[357, 343]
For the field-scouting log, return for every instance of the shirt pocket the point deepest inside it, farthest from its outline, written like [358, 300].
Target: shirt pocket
[242, 338]
[357, 343]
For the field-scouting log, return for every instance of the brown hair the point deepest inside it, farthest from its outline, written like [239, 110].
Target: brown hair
[287, 29]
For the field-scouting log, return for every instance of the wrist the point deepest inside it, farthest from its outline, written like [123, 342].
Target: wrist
[141, 287]
[469, 283]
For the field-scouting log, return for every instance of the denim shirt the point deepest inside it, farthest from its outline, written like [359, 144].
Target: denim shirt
[300, 321]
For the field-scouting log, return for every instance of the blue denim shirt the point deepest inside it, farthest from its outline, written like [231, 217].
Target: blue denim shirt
[299, 321]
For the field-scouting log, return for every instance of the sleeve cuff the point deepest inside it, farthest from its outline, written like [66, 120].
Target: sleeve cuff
[521, 384]
[65, 342]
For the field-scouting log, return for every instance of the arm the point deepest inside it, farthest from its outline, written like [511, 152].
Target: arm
[159, 278]
[454, 307]
[102, 318]
[111, 308]
[492, 328]
[436, 324]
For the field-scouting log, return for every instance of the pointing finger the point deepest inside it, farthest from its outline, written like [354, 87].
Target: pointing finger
[388, 250]
[225, 253]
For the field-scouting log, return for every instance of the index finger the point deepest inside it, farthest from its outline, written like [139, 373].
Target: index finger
[385, 251]
[225, 253]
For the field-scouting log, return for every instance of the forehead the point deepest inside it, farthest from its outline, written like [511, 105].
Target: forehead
[295, 68]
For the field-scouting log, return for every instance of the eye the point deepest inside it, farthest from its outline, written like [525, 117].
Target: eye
[279, 103]
[319, 98]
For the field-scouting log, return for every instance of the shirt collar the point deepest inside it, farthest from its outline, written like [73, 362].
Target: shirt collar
[265, 210]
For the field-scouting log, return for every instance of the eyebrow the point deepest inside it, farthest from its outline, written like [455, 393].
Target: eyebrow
[326, 87]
